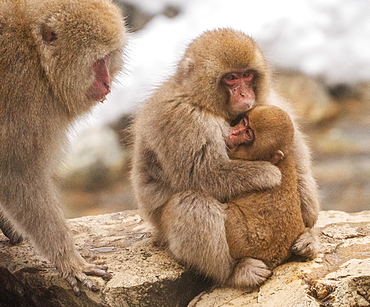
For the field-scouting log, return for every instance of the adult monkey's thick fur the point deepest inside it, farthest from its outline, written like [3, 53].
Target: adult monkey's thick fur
[57, 59]
[180, 161]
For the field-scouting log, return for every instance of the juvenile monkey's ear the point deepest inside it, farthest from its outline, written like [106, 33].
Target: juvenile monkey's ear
[278, 155]
[48, 34]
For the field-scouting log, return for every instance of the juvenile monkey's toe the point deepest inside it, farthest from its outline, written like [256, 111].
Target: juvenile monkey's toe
[249, 272]
[307, 245]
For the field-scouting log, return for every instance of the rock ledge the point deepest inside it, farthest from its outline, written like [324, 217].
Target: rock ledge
[145, 275]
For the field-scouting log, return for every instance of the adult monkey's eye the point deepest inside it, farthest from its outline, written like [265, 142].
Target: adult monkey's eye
[230, 77]
[248, 74]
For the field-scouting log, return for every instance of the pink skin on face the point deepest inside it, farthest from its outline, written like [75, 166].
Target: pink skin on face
[102, 84]
[241, 91]
[241, 133]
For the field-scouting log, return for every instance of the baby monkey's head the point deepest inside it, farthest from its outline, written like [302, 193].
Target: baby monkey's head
[265, 130]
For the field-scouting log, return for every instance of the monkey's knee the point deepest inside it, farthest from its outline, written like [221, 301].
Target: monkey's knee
[249, 273]
[194, 227]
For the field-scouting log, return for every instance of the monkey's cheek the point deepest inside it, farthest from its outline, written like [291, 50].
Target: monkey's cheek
[231, 142]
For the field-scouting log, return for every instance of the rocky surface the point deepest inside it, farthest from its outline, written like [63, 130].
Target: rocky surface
[145, 275]
[339, 277]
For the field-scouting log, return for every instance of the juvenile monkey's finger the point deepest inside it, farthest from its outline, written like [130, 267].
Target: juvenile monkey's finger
[15, 239]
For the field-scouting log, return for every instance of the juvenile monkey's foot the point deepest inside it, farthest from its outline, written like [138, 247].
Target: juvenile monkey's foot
[249, 272]
[90, 270]
[307, 245]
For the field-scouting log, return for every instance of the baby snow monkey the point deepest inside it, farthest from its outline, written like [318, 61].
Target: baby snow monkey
[262, 227]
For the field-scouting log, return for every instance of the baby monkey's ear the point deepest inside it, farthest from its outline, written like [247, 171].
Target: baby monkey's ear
[278, 155]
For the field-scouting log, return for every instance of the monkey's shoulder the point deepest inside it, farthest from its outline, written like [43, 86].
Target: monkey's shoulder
[181, 115]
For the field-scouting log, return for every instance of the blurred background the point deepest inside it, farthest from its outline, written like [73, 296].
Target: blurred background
[320, 54]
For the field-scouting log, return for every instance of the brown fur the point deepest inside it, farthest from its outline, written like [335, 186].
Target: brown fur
[181, 170]
[263, 228]
[45, 86]
[264, 225]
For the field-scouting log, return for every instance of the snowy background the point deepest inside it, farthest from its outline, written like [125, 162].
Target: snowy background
[325, 38]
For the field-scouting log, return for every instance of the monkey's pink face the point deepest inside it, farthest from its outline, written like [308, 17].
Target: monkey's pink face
[241, 91]
[241, 133]
[102, 83]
